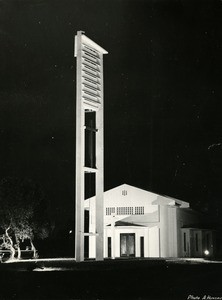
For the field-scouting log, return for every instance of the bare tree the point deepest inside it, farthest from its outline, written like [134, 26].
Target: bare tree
[22, 214]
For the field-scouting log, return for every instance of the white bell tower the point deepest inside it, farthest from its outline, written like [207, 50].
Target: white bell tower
[89, 138]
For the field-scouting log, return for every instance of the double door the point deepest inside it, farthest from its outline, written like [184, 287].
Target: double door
[127, 244]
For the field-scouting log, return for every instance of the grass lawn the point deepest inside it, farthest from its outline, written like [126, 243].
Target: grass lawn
[114, 279]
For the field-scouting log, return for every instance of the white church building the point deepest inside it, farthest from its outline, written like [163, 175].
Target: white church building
[138, 223]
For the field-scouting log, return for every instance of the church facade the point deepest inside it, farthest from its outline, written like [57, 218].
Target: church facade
[139, 223]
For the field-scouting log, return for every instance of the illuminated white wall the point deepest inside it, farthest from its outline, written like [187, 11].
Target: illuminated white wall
[158, 223]
[153, 242]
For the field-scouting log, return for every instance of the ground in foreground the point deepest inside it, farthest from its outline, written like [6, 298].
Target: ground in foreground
[114, 279]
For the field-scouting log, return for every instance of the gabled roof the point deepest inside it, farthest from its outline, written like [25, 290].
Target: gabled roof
[157, 199]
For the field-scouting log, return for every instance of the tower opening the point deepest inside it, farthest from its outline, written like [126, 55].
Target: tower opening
[90, 139]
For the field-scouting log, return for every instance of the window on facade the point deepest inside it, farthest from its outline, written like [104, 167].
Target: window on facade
[207, 241]
[110, 210]
[142, 246]
[184, 242]
[109, 247]
[124, 210]
[196, 240]
[124, 192]
[139, 210]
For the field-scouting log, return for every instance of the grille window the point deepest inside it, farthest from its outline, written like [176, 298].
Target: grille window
[124, 192]
[110, 210]
[139, 210]
[124, 210]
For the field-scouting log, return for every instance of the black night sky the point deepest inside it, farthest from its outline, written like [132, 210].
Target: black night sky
[163, 95]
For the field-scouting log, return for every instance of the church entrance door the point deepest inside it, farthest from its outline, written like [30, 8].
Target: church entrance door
[127, 244]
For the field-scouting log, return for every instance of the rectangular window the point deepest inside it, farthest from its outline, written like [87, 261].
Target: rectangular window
[124, 192]
[109, 247]
[86, 247]
[142, 246]
[184, 242]
[110, 210]
[207, 241]
[196, 240]
[124, 210]
[139, 210]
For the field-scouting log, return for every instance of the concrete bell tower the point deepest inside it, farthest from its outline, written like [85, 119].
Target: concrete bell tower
[89, 139]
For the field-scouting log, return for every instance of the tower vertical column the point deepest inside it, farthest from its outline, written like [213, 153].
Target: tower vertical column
[89, 100]
[80, 140]
[99, 175]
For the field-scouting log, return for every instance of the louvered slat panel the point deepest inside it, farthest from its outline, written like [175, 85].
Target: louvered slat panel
[90, 51]
[89, 78]
[91, 83]
[90, 59]
[90, 97]
[91, 72]
[90, 91]
[93, 66]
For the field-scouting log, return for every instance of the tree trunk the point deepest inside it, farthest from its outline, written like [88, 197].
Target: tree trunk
[35, 255]
[19, 251]
[10, 245]
[18, 246]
